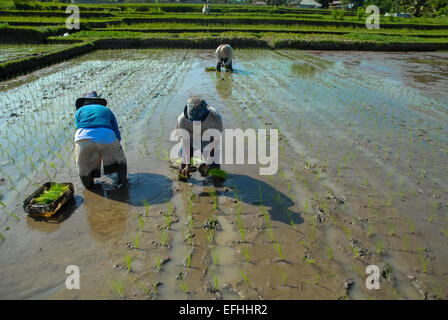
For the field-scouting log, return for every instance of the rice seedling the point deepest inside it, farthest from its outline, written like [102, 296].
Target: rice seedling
[2, 237]
[215, 256]
[164, 237]
[137, 240]
[142, 286]
[347, 232]
[211, 236]
[146, 204]
[411, 225]
[369, 230]
[12, 214]
[355, 251]
[184, 286]
[433, 211]
[279, 250]
[128, 260]
[141, 222]
[245, 278]
[406, 239]
[379, 247]
[188, 259]
[445, 232]
[168, 221]
[282, 272]
[391, 229]
[245, 251]
[423, 259]
[316, 278]
[117, 286]
[158, 262]
[330, 253]
[215, 280]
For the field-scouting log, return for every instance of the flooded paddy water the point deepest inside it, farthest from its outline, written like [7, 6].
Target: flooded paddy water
[362, 179]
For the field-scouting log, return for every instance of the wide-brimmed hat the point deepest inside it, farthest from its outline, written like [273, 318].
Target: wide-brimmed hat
[90, 98]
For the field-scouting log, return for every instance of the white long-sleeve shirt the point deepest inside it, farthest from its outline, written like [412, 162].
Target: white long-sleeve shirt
[224, 51]
[212, 121]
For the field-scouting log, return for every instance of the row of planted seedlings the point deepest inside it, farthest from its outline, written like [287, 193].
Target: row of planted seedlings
[302, 179]
[40, 135]
[408, 218]
[151, 241]
[251, 107]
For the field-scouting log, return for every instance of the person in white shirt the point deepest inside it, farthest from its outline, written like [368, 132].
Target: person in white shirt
[197, 109]
[224, 54]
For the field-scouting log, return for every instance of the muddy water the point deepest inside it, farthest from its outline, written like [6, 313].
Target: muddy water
[362, 179]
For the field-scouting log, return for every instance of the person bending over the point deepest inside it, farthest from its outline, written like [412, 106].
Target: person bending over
[224, 55]
[197, 109]
[97, 138]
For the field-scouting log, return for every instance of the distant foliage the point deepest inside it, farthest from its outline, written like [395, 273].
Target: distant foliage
[338, 14]
[26, 5]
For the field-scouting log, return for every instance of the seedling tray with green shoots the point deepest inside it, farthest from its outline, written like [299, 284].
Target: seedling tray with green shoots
[48, 199]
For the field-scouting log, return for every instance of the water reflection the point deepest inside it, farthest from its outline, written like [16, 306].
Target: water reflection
[107, 206]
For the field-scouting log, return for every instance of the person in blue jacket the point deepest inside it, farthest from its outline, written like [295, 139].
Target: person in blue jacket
[97, 138]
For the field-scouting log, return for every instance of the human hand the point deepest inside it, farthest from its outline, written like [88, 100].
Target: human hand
[186, 171]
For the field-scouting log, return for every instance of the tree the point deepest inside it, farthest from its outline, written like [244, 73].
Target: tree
[325, 3]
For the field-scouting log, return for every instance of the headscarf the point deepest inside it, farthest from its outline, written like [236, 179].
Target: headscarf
[197, 109]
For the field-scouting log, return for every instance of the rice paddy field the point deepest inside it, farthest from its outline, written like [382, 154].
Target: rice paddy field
[362, 179]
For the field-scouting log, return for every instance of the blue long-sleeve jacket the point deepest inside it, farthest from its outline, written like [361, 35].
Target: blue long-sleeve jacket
[96, 116]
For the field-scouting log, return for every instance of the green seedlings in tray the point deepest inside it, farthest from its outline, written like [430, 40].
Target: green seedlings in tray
[188, 236]
[52, 194]
[128, 259]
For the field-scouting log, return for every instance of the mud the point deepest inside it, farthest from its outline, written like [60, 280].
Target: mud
[362, 180]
